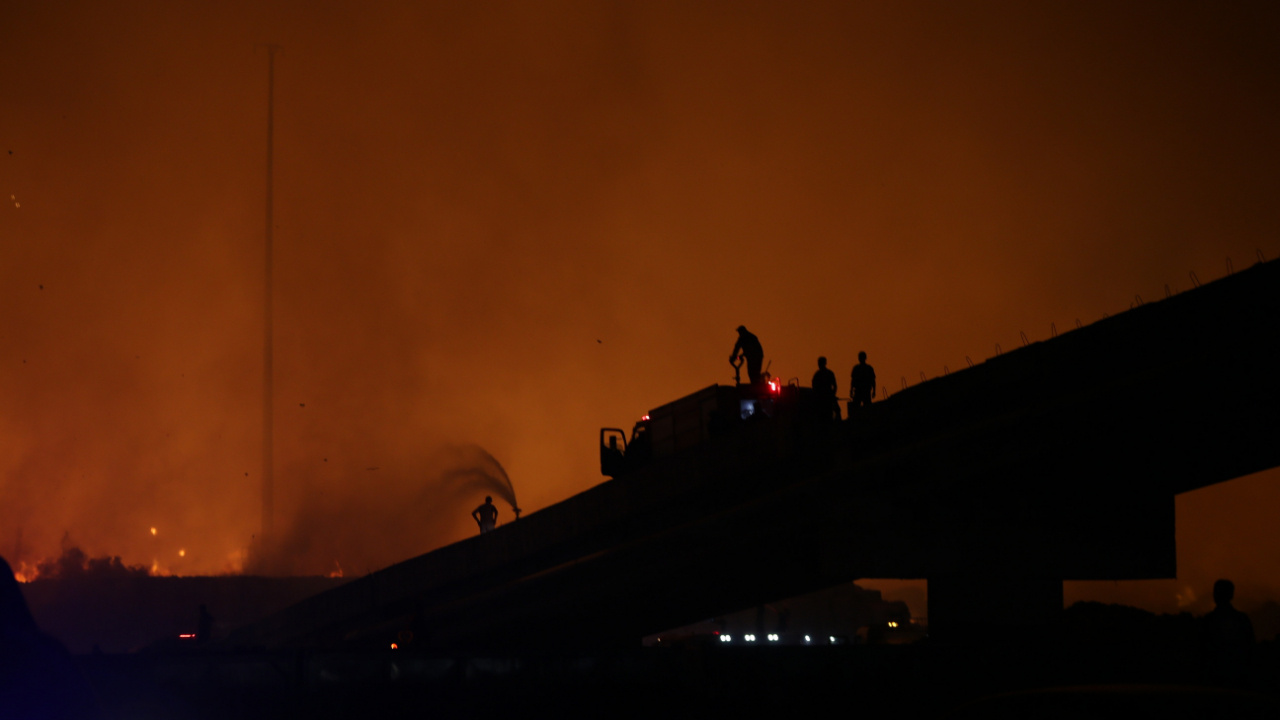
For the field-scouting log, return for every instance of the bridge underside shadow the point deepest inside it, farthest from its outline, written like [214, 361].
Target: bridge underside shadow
[1057, 461]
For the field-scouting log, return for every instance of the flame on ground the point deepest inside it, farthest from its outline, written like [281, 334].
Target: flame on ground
[75, 563]
[25, 573]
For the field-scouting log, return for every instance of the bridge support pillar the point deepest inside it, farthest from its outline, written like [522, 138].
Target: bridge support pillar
[966, 608]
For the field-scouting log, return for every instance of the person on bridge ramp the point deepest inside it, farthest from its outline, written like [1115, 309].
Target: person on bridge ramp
[863, 382]
[486, 516]
[748, 346]
[824, 386]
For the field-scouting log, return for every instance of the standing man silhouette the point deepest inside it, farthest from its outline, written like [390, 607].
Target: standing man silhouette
[863, 382]
[486, 516]
[204, 626]
[1227, 638]
[824, 386]
[748, 346]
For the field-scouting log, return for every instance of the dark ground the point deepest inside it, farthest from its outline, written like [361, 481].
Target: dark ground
[697, 679]
[119, 612]
[1149, 664]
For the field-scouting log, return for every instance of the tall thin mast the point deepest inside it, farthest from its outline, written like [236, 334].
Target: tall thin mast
[268, 360]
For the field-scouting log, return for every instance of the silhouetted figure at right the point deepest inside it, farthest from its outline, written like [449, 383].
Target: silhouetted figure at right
[204, 626]
[748, 346]
[862, 383]
[37, 677]
[486, 516]
[824, 386]
[1226, 638]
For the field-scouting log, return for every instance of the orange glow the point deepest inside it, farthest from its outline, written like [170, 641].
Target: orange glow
[933, 200]
[25, 573]
[395, 646]
[182, 553]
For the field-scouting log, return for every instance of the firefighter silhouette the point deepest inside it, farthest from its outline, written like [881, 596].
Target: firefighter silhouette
[1227, 638]
[824, 386]
[748, 346]
[204, 625]
[862, 382]
[486, 516]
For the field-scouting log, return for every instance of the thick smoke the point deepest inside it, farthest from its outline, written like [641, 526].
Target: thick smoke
[385, 515]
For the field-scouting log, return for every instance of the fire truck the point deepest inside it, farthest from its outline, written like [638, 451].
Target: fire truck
[692, 421]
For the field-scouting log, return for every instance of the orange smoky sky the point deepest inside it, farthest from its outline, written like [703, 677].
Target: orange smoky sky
[505, 225]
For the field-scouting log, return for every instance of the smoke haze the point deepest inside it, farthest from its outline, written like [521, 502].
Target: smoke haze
[505, 225]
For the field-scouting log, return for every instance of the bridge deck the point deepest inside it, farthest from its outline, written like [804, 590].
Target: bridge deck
[1055, 461]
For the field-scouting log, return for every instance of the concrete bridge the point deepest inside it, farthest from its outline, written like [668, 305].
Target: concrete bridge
[1056, 461]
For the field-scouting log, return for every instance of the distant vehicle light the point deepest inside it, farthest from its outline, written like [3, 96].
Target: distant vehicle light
[726, 638]
[893, 624]
[832, 638]
[645, 418]
[749, 638]
[806, 638]
[773, 637]
[395, 646]
[187, 636]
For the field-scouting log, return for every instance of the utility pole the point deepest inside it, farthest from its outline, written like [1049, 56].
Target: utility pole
[268, 359]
